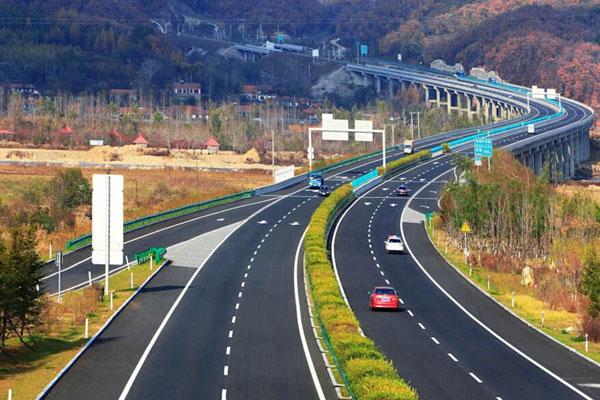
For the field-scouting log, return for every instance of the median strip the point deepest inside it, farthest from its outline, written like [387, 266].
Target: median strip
[364, 370]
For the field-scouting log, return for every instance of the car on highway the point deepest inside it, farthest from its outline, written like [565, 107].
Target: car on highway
[394, 244]
[315, 180]
[402, 190]
[384, 297]
[324, 191]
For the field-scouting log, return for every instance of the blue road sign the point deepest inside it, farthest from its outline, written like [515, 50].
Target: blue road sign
[483, 147]
[364, 50]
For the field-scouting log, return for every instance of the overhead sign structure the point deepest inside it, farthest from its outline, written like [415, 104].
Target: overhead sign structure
[364, 131]
[107, 221]
[483, 147]
[339, 128]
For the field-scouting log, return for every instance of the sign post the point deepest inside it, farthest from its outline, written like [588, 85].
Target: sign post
[58, 261]
[465, 229]
[484, 148]
[107, 223]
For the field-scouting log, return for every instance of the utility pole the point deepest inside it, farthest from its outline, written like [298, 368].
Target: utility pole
[418, 124]
[412, 133]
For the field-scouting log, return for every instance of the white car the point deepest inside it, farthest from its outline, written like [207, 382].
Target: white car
[394, 244]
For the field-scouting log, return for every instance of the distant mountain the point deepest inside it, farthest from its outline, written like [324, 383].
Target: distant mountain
[74, 46]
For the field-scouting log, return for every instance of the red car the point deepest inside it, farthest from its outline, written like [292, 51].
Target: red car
[384, 297]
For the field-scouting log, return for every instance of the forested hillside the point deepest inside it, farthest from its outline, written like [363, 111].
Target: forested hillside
[74, 46]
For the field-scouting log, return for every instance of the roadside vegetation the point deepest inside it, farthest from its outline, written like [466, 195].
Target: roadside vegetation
[57, 332]
[528, 241]
[58, 201]
[369, 374]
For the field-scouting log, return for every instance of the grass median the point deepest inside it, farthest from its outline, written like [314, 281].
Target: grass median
[61, 335]
[370, 376]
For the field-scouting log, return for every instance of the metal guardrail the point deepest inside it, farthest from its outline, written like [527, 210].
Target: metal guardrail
[156, 253]
[138, 223]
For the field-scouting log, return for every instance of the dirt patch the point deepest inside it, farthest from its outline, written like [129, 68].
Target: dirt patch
[136, 157]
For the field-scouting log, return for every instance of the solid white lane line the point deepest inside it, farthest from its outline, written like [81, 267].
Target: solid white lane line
[452, 357]
[309, 360]
[475, 377]
[474, 318]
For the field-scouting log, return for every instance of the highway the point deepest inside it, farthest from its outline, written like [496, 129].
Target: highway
[225, 327]
[432, 342]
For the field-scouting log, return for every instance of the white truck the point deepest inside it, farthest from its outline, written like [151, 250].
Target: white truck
[408, 147]
[531, 128]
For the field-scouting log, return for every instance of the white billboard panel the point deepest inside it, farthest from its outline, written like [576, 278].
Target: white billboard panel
[339, 129]
[364, 131]
[107, 219]
[538, 93]
[282, 174]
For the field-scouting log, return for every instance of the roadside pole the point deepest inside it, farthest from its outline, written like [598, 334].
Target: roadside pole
[58, 261]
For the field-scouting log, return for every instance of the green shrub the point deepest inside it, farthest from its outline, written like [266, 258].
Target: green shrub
[369, 374]
[404, 161]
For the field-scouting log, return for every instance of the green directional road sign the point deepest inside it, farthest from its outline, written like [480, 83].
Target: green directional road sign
[483, 147]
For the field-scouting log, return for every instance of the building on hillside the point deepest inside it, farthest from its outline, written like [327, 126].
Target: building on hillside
[140, 141]
[7, 135]
[212, 146]
[256, 93]
[25, 89]
[123, 97]
[184, 91]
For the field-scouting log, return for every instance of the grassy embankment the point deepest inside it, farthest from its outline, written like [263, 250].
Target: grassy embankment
[558, 323]
[146, 192]
[61, 335]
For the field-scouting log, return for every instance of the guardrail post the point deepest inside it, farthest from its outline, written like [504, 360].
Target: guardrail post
[150, 262]
[586, 343]
[90, 278]
[86, 333]
[131, 280]
[9, 394]
[111, 300]
[127, 263]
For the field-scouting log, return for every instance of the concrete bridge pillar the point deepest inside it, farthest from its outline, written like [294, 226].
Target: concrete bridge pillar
[469, 107]
[572, 157]
[438, 97]
[378, 84]
[448, 100]
[390, 89]
[537, 161]
[426, 90]
[365, 80]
